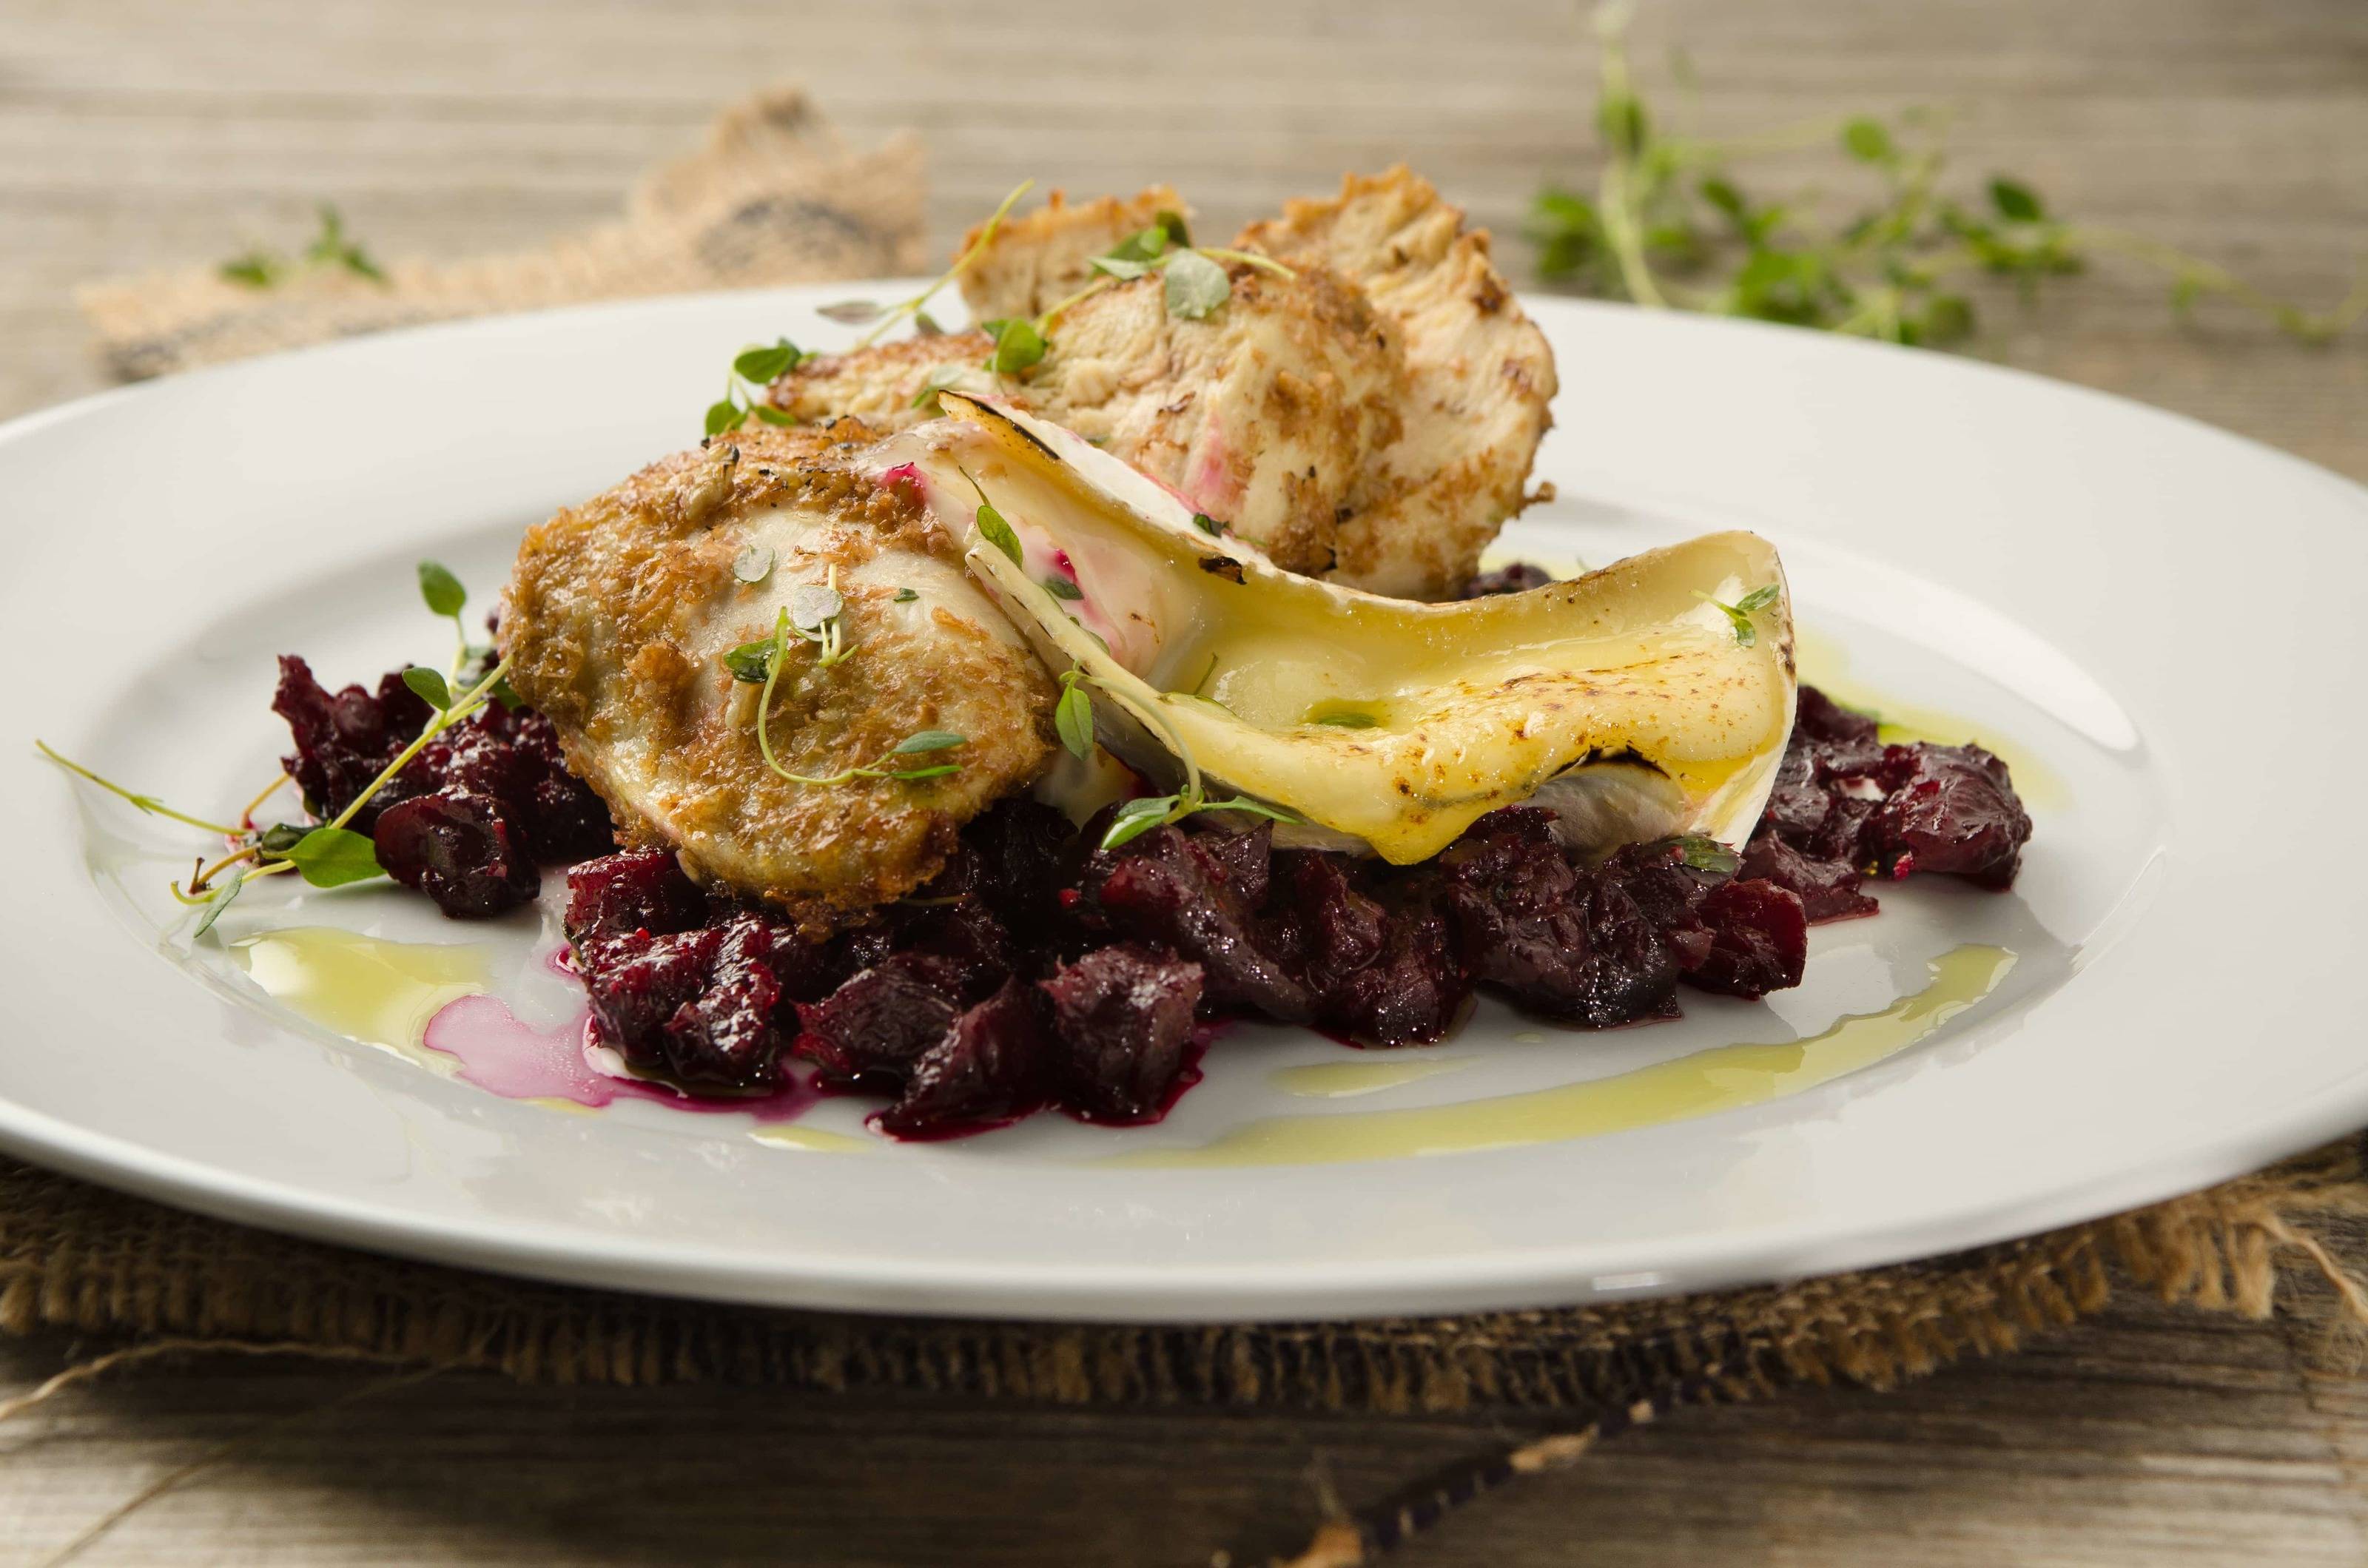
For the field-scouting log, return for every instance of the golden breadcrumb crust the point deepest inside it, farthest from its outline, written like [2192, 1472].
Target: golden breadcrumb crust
[616, 614]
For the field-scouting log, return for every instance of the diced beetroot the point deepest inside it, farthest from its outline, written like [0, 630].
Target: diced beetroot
[1122, 1018]
[1198, 895]
[635, 889]
[729, 1034]
[1760, 940]
[1844, 802]
[994, 1065]
[344, 740]
[974, 953]
[1949, 809]
[637, 985]
[870, 1032]
[459, 848]
[1379, 961]
[1827, 889]
[1559, 938]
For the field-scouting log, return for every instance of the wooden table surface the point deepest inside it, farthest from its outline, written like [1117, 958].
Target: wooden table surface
[134, 135]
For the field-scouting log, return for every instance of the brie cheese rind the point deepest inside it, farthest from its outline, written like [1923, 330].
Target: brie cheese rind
[1626, 700]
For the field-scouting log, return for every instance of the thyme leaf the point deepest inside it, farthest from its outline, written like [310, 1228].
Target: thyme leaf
[916, 305]
[333, 856]
[1669, 223]
[753, 563]
[1072, 717]
[1194, 285]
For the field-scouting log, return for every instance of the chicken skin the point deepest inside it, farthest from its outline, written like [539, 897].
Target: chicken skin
[1371, 419]
[618, 619]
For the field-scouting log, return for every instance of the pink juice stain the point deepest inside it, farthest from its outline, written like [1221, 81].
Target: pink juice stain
[503, 1054]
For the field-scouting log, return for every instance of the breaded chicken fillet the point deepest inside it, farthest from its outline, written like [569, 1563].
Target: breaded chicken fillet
[617, 617]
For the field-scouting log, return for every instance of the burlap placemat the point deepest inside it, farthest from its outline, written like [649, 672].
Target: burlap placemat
[775, 197]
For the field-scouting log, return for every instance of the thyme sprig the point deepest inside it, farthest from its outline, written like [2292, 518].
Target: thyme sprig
[920, 743]
[330, 853]
[883, 317]
[1741, 613]
[332, 250]
[1193, 286]
[1670, 225]
[1073, 719]
[815, 612]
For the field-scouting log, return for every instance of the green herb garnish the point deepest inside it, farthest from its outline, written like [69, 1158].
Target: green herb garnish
[853, 311]
[1019, 346]
[1670, 225]
[1740, 612]
[921, 743]
[328, 855]
[904, 596]
[1140, 815]
[1195, 286]
[332, 857]
[1061, 588]
[1704, 853]
[992, 527]
[332, 249]
[428, 685]
[1072, 716]
[753, 564]
[754, 370]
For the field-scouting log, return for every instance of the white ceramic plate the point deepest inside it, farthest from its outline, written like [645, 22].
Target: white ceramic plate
[2155, 622]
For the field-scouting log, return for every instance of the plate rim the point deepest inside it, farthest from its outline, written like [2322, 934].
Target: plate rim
[1501, 1277]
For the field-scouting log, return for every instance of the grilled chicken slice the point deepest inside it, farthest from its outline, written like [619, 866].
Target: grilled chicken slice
[1040, 258]
[620, 611]
[1371, 420]
[1264, 416]
[1478, 376]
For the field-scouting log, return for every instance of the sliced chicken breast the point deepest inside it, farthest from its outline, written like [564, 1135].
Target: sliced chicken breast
[1040, 258]
[1371, 419]
[1478, 378]
[1264, 416]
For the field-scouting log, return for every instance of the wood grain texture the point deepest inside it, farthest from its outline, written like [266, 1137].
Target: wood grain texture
[147, 133]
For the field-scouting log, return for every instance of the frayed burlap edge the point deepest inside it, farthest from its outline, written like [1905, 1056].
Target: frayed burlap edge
[773, 197]
[80, 1257]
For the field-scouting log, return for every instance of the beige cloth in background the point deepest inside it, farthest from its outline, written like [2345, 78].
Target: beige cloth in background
[775, 197]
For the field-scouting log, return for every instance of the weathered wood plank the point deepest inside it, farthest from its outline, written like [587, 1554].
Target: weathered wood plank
[144, 132]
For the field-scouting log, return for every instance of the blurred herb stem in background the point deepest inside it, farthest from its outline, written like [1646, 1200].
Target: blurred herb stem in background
[332, 250]
[1670, 225]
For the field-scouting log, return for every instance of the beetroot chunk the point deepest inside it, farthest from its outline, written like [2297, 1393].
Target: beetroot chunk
[634, 890]
[1378, 958]
[461, 849]
[1198, 895]
[994, 1065]
[1759, 940]
[515, 756]
[870, 1032]
[638, 986]
[1564, 940]
[1122, 1018]
[1844, 802]
[1949, 809]
[1827, 889]
[730, 1033]
[346, 739]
